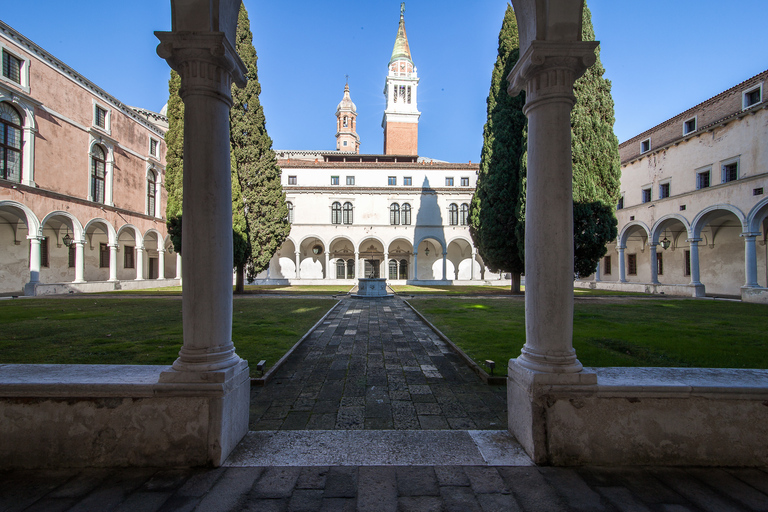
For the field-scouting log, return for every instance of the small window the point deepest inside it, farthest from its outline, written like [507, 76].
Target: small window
[620, 204]
[128, 257]
[336, 213]
[687, 257]
[291, 180]
[659, 264]
[464, 214]
[405, 214]
[730, 172]
[72, 256]
[448, 182]
[753, 96]
[703, 179]
[153, 147]
[645, 146]
[12, 67]
[347, 213]
[350, 180]
[344, 143]
[647, 195]
[632, 264]
[334, 180]
[464, 182]
[392, 180]
[606, 266]
[394, 214]
[290, 212]
[45, 261]
[682, 207]
[407, 181]
[103, 256]
[689, 126]
[757, 191]
[100, 117]
[664, 190]
[453, 212]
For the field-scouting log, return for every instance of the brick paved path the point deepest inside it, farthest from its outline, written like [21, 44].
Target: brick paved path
[373, 364]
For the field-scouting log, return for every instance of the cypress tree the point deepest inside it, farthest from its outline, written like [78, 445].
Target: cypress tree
[264, 207]
[497, 210]
[174, 160]
[596, 163]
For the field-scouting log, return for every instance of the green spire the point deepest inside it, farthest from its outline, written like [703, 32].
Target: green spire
[401, 50]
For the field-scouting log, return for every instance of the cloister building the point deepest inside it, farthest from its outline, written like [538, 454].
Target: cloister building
[395, 215]
[81, 181]
[693, 207]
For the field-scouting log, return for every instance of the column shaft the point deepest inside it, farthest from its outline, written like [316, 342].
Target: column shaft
[161, 264]
[140, 263]
[654, 264]
[79, 262]
[694, 245]
[622, 266]
[750, 260]
[113, 262]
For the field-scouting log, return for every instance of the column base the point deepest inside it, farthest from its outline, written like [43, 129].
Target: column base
[30, 289]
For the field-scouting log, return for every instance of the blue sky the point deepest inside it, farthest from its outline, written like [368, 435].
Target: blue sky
[662, 57]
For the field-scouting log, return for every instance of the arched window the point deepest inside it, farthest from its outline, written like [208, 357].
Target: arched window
[336, 213]
[403, 269]
[393, 269]
[453, 211]
[98, 173]
[350, 269]
[340, 268]
[345, 121]
[406, 214]
[347, 213]
[10, 143]
[151, 189]
[290, 212]
[394, 214]
[464, 217]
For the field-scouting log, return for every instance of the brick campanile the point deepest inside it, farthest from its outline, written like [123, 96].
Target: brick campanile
[401, 117]
[347, 138]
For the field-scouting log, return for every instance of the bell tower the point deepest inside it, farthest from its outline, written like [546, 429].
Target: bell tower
[401, 117]
[347, 138]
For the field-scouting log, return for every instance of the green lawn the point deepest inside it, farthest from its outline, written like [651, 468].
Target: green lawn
[615, 332]
[487, 290]
[143, 331]
[251, 289]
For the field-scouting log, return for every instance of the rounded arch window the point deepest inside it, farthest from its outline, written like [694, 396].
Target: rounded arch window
[394, 214]
[98, 173]
[290, 212]
[10, 143]
[405, 215]
[453, 211]
[347, 213]
[151, 192]
[464, 217]
[336, 213]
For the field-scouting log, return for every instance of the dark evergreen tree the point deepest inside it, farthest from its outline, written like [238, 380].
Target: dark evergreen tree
[174, 160]
[264, 207]
[596, 163]
[497, 211]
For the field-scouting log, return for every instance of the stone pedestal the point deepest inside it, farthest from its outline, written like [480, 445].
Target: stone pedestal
[369, 287]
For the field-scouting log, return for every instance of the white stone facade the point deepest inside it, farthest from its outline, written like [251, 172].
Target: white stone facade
[692, 218]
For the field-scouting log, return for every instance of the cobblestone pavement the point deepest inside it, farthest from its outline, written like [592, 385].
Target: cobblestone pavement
[373, 364]
[386, 488]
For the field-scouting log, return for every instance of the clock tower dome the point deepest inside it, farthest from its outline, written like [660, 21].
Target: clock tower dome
[401, 117]
[347, 138]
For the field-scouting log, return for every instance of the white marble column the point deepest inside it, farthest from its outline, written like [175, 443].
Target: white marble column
[694, 245]
[34, 264]
[445, 265]
[750, 260]
[113, 262]
[654, 263]
[385, 272]
[327, 265]
[472, 267]
[597, 273]
[411, 269]
[160, 263]
[357, 265]
[139, 262]
[207, 64]
[178, 266]
[547, 71]
[415, 266]
[79, 261]
[622, 265]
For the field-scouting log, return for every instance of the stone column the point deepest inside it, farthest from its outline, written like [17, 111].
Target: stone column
[445, 265]
[597, 273]
[654, 263]
[622, 264]
[298, 264]
[327, 267]
[79, 261]
[34, 264]
[547, 71]
[412, 268]
[140, 262]
[113, 262]
[472, 266]
[750, 260]
[694, 244]
[415, 266]
[178, 266]
[385, 273]
[160, 263]
[357, 265]
[207, 64]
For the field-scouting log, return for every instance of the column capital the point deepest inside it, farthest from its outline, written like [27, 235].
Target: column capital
[206, 61]
[548, 69]
[748, 234]
[693, 240]
[33, 238]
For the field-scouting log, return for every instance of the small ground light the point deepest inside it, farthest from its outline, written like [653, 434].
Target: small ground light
[260, 366]
[490, 364]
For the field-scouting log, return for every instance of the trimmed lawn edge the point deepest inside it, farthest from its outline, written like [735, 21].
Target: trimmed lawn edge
[264, 379]
[491, 380]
